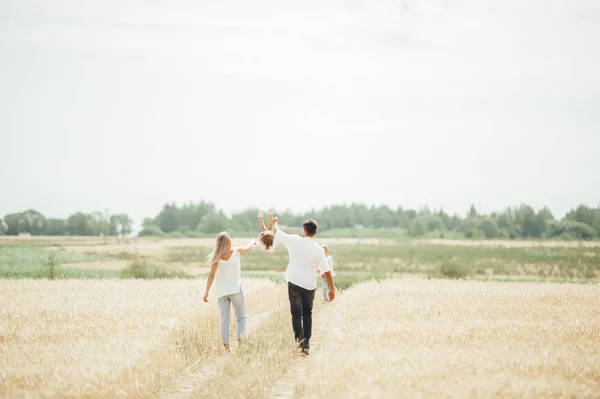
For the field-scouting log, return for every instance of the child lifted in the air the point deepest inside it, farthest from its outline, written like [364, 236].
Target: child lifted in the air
[267, 235]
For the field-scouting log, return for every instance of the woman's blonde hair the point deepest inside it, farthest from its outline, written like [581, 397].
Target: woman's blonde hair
[222, 246]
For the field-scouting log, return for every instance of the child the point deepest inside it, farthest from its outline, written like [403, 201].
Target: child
[324, 283]
[266, 236]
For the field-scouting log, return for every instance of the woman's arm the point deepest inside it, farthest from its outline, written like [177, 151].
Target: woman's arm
[261, 222]
[247, 248]
[211, 278]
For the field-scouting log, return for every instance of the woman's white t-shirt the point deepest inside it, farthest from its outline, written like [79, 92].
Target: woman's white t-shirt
[228, 278]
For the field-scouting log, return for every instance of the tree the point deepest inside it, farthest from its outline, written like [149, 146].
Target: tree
[587, 215]
[417, 227]
[531, 224]
[490, 229]
[151, 230]
[34, 222]
[246, 221]
[30, 221]
[3, 227]
[56, 227]
[447, 220]
[81, 224]
[504, 220]
[213, 223]
[571, 230]
[399, 217]
[168, 218]
[472, 214]
[13, 224]
[383, 217]
[435, 223]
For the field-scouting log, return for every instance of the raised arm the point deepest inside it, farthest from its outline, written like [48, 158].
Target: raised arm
[281, 236]
[261, 222]
[270, 219]
[211, 278]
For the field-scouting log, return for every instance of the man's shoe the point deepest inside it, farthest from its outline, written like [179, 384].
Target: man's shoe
[305, 351]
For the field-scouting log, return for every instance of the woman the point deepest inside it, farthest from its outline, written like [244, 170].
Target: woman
[225, 272]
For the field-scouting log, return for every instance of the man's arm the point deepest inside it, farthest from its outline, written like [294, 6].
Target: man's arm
[325, 270]
[281, 236]
[329, 279]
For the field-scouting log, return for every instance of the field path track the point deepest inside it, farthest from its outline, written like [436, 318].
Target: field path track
[287, 385]
[192, 377]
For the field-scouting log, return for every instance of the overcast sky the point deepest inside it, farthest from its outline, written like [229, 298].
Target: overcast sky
[126, 105]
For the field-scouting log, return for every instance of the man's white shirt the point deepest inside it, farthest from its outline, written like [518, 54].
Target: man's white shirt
[306, 256]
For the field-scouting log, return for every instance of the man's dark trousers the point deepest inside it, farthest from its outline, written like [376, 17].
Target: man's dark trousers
[301, 304]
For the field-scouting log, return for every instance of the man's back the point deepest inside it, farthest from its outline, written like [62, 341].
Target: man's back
[305, 256]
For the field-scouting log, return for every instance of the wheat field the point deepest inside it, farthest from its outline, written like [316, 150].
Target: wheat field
[397, 338]
[107, 338]
[444, 338]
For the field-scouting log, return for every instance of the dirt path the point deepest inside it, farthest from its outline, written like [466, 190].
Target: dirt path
[287, 385]
[195, 375]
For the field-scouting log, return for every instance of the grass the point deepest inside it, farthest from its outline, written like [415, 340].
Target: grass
[69, 338]
[34, 262]
[89, 339]
[392, 234]
[428, 338]
[145, 269]
[356, 263]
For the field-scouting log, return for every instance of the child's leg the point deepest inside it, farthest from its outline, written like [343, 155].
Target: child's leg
[270, 219]
[225, 308]
[261, 222]
[325, 286]
[239, 307]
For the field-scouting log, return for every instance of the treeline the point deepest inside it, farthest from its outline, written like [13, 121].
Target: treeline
[582, 223]
[203, 218]
[79, 224]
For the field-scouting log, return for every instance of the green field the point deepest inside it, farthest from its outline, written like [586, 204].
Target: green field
[362, 262]
[353, 262]
[34, 262]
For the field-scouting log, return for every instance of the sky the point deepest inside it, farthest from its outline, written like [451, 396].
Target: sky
[128, 104]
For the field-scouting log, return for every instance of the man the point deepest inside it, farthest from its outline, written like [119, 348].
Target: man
[304, 256]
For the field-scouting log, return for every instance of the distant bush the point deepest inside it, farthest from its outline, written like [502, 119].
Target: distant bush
[474, 233]
[151, 231]
[417, 227]
[490, 229]
[192, 234]
[453, 270]
[52, 264]
[175, 234]
[569, 230]
[145, 270]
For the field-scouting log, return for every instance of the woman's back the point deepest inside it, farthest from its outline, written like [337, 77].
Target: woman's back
[228, 278]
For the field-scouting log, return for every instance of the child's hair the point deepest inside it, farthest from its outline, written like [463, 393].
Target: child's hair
[267, 237]
[222, 246]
